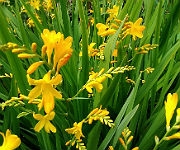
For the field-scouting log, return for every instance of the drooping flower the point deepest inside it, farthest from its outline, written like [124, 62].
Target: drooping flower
[11, 141]
[134, 29]
[76, 130]
[45, 88]
[104, 30]
[50, 39]
[44, 121]
[170, 106]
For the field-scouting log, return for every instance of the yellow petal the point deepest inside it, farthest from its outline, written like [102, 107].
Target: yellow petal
[38, 116]
[56, 80]
[48, 100]
[49, 127]
[35, 92]
[55, 93]
[50, 116]
[39, 125]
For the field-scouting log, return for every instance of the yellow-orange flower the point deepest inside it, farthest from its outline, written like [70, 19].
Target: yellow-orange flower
[50, 39]
[104, 30]
[170, 106]
[134, 29]
[44, 121]
[45, 88]
[11, 141]
[76, 130]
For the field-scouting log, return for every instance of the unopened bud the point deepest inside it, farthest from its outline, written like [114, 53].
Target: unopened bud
[34, 47]
[34, 66]
[26, 55]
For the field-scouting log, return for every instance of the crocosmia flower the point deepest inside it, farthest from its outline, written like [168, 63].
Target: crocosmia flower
[44, 121]
[44, 87]
[134, 29]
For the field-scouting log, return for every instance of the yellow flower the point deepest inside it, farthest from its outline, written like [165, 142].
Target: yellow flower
[91, 50]
[63, 52]
[112, 13]
[35, 3]
[95, 81]
[44, 121]
[76, 130]
[170, 106]
[11, 141]
[45, 88]
[134, 29]
[50, 39]
[104, 30]
[48, 5]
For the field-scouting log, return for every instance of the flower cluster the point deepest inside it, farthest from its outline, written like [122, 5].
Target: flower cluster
[55, 53]
[96, 114]
[126, 139]
[112, 24]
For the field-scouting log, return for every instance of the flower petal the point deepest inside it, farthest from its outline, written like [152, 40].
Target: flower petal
[35, 92]
[39, 125]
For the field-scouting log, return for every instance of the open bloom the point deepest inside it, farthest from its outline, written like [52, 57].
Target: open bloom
[104, 30]
[45, 88]
[76, 130]
[44, 121]
[170, 106]
[11, 141]
[134, 29]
